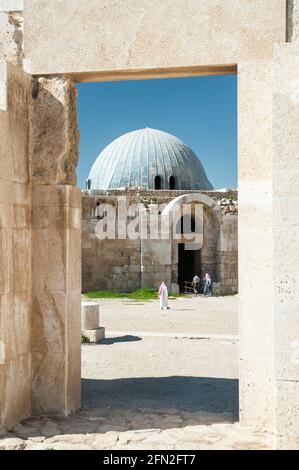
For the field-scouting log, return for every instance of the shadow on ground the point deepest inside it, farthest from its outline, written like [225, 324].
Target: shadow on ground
[120, 339]
[187, 394]
[141, 404]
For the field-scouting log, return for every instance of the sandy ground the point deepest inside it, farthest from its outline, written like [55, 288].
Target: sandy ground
[136, 372]
[160, 380]
[215, 315]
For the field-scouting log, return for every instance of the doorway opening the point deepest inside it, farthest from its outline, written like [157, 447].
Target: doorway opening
[158, 182]
[189, 265]
[189, 259]
[145, 362]
[171, 182]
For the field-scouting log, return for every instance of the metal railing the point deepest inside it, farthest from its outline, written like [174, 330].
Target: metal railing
[187, 287]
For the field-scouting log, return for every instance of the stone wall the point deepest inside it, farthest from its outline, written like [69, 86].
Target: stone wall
[207, 37]
[255, 241]
[209, 251]
[202, 35]
[125, 264]
[15, 252]
[156, 263]
[228, 254]
[109, 264]
[11, 41]
[286, 240]
[56, 238]
[39, 295]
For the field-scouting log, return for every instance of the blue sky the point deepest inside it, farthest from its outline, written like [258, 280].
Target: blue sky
[201, 111]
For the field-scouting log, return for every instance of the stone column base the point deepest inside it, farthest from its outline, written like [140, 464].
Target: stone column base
[96, 335]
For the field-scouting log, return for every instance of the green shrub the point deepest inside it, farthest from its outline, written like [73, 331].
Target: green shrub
[84, 339]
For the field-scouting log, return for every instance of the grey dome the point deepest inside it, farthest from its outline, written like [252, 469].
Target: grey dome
[137, 158]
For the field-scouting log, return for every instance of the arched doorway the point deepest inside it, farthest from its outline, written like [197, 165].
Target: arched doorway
[157, 182]
[171, 182]
[189, 259]
[189, 264]
[198, 256]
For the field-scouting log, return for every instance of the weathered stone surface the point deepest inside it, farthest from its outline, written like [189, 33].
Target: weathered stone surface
[105, 441]
[196, 34]
[90, 315]
[56, 304]
[15, 248]
[198, 436]
[255, 242]
[292, 20]
[287, 405]
[286, 222]
[11, 5]
[95, 335]
[12, 443]
[11, 38]
[54, 131]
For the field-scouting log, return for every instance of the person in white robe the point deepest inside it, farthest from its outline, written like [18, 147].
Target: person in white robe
[163, 295]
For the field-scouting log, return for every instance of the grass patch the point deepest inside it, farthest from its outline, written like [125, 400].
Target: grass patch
[84, 339]
[139, 294]
[103, 294]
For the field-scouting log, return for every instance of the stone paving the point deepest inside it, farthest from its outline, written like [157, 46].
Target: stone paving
[158, 389]
[123, 430]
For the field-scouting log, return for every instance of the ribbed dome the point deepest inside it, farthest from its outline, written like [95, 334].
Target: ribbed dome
[148, 158]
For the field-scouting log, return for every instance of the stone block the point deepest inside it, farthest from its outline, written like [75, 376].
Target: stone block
[49, 262]
[11, 5]
[117, 269]
[74, 265]
[21, 259]
[17, 338]
[255, 111]
[49, 383]
[96, 335]
[57, 196]
[218, 32]
[73, 337]
[90, 315]
[287, 411]
[15, 388]
[54, 132]
[134, 269]
[49, 321]
[175, 288]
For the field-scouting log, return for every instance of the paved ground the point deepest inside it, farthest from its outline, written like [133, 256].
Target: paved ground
[214, 315]
[160, 380]
[151, 372]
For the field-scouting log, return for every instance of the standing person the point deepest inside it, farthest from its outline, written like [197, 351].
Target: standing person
[163, 294]
[208, 285]
[195, 284]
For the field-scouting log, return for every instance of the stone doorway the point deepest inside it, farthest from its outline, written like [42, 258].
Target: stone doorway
[189, 264]
[152, 382]
[255, 47]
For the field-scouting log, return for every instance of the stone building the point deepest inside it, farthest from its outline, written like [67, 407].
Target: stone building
[148, 170]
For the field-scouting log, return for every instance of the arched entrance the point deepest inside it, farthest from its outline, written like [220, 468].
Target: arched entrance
[189, 259]
[199, 255]
[189, 264]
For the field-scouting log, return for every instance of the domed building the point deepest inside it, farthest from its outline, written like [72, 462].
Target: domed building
[148, 159]
[159, 176]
